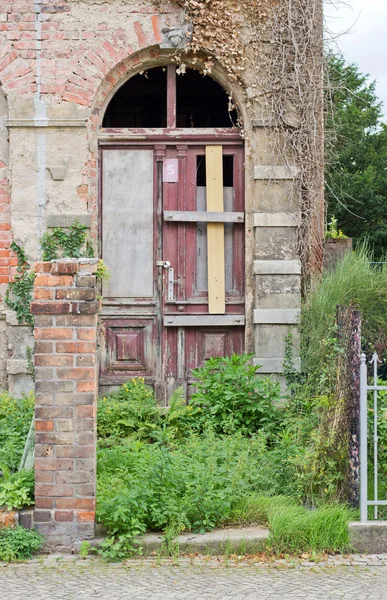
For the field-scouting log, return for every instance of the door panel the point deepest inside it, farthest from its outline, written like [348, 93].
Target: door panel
[130, 317]
[130, 348]
[127, 223]
[185, 246]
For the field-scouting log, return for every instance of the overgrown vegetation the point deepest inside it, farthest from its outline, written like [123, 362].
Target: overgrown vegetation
[354, 282]
[17, 543]
[16, 487]
[19, 291]
[15, 420]
[193, 468]
[71, 242]
[235, 454]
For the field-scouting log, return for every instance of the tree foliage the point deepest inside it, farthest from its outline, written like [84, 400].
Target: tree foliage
[356, 155]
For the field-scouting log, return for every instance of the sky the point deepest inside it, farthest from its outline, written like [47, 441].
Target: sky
[359, 28]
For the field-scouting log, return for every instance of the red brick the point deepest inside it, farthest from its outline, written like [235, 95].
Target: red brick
[85, 412]
[53, 464]
[65, 268]
[75, 452]
[86, 386]
[75, 348]
[42, 267]
[53, 412]
[44, 476]
[54, 491]
[53, 281]
[86, 333]
[86, 515]
[43, 294]
[42, 502]
[76, 374]
[50, 308]
[76, 503]
[66, 438]
[44, 425]
[43, 348]
[54, 333]
[64, 515]
[83, 294]
[53, 360]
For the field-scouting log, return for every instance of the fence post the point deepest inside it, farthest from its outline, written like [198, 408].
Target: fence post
[363, 441]
[353, 366]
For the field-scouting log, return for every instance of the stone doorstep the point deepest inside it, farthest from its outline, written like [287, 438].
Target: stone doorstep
[245, 540]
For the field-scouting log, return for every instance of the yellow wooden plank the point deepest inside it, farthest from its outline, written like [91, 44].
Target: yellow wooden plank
[215, 232]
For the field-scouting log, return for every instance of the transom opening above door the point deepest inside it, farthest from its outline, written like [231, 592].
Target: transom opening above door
[160, 98]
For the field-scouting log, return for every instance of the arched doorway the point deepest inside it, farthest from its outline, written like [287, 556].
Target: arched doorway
[171, 229]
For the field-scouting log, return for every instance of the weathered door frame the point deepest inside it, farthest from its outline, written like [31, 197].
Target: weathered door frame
[159, 140]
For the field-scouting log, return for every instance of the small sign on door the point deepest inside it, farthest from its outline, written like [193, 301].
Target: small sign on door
[171, 170]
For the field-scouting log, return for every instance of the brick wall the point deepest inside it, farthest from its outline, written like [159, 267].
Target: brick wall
[66, 314]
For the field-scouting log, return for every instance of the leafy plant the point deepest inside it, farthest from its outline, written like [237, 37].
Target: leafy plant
[84, 549]
[131, 410]
[70, 243]
[18, 295]
[333, 233]
[18, 543]
[15, 420]
[232, 398]
[103, 272]
[17, 489]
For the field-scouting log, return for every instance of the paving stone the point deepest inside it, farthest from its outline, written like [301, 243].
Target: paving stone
[193, 579]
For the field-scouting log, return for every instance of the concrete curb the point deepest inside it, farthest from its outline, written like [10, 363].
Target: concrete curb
[247, 540]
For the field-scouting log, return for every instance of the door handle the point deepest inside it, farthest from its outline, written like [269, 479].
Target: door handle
[163, 263]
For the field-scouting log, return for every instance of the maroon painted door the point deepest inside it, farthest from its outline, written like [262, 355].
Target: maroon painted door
[156, 319]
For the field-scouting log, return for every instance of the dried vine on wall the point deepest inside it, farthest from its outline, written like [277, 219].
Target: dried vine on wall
[274, 50]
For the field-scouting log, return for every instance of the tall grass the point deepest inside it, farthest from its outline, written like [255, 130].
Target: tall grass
[354, 282]
[294, 529]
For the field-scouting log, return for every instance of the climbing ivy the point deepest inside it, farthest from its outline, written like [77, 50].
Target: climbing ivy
[70, 243]
[19, 292]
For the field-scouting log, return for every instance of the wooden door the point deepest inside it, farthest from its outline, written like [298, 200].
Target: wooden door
[172, 234]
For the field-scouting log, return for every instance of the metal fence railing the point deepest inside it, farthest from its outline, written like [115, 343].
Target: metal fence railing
[364, 391]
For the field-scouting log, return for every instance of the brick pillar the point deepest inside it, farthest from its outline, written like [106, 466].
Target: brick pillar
[66, 313]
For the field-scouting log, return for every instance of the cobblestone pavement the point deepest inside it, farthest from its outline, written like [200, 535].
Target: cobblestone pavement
[63, 579]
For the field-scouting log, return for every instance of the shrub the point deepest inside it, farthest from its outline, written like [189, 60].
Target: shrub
[130, 411]
[17, 489]
[15, 420]
[18, 543]
[232, 398]
[194, 486]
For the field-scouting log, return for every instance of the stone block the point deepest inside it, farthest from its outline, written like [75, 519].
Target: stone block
[370, 537]
[16, 366]
[66, 220]
[277, 316]
[270, 219]
[277, 267]
[276, 243]
[276, 172]
[274, 365]
[270, 340]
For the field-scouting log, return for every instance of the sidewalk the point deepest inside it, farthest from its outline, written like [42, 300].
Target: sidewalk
[61, 578]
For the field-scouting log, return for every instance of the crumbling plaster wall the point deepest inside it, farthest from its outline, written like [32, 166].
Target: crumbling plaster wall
[60, 62]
